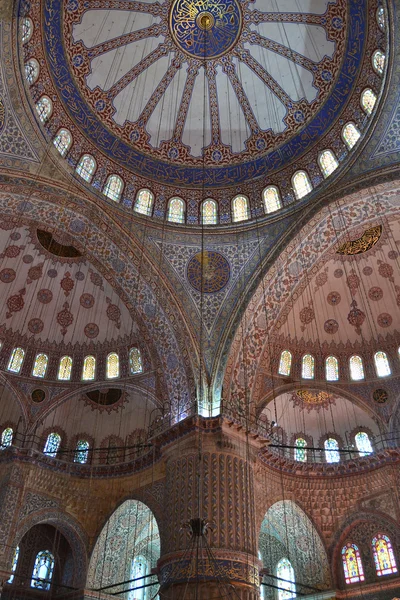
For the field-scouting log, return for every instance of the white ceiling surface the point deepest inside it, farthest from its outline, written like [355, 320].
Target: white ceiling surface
[98, 26]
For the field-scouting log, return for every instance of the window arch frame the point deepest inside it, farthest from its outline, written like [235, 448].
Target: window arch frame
[280, 371]
[331, 357]
[35, 69]
[215, 217]
[108, 367]
[364, 106]
[80, 169]
[35, 368]
[51, 449]
[43, 583]
[361, 452]
[44, 116]
[6, 439]
[107, 191]
[332, 455]
[139, 360]
[309, 185]
[358, 132]
[278, 199]
[303, 366]
[26, 38]
[352, 377]
[17, 370]
[385, 359]
[62, 150]
[14, 565]
[60, 366]
[86, 358]
[172, 216]
[349, 578]
[300, 449]
[79, 452]
[324, 171]
[393, 562]
[378, 70]
[148, 211]
[284, 593]
[234, 212]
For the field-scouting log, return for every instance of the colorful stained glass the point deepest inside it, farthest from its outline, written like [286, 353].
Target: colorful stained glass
[209, 212]
[328, 162]
[382, 364]
[144, 202]
[86, 167]
[31, 71]
[380, 17]
[272, 200]
[176, 210]
[7, 437]
[352, 565]
[52, 444]
[43, 570]
[240, 209]
[44, 107]
[307, 367]
[332, 368]
[27, 29]
[63, 141]
[112, 365]
[385, 562]
[285, 363]
[135, 361]
[286, 580]
[113, 188]
[40, 365]
[89, 368]
[300, 452]
[301, 184]
[356, 368]
[331, 450]
[16, 360]
[363, 443]
[368, 101]
[378, 61]
[351, 135]
[65, 368]
[81, 453]
[14, 565]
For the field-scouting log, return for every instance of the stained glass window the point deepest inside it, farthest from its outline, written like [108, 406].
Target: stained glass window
[16, 360]
[112, 365]
[240, 209]
[86, 167]
[382, 364]
[144, 202]
[351, 135]
[363, 443]
[209, 212]
[286, 580]
[89, 368]
[356, 368]
[135, 361]
[378, 61]
[81, 453]
[52, 444]
[27, 29]
[307, 367]
[113, 188]
[14, 565]
[300, 452]
[40, 365]
[65, 368]
[331, 450]
[63, 141]
[138, 571]
[328, 162]
[301, 184]
[31, 71]
[43, 570]
[272, 200]
[385, 562]
[285, 363]
[380, 17]
[352, 565]
[44, 107]
[368, 101]
[7, 437]
[331, 368]
[176, 210]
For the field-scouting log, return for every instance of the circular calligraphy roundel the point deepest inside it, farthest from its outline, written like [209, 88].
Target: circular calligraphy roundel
[208, 272]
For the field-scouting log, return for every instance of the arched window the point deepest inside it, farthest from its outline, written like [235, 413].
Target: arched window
[331, 368]
[378, 61]
[63, 141]
[356, 368]
[27, 29]
[240, 209]
[368, 101]
[327, 162]
[272, 200]
[7, 437]
[81, 453]
[52, 444]
[112, 365]
[301, 184]
[135, 361]
[300, 452]
[176, 210]
[286, 580]
[385, 562]
[331, 450]
[144, 202]
[44, 107]
[380, 17]
[363, 443]
[14, 565]
[89, 368]
[350, 135]
[382, 364]
[113, 188]
[40, 365]
[307, 367]
[31, 71]
[352, 565]
[209, 212]
[65, 368]
[43, 570]
[285, 363]
[86, 167]
[16, 360]
[138, 571]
